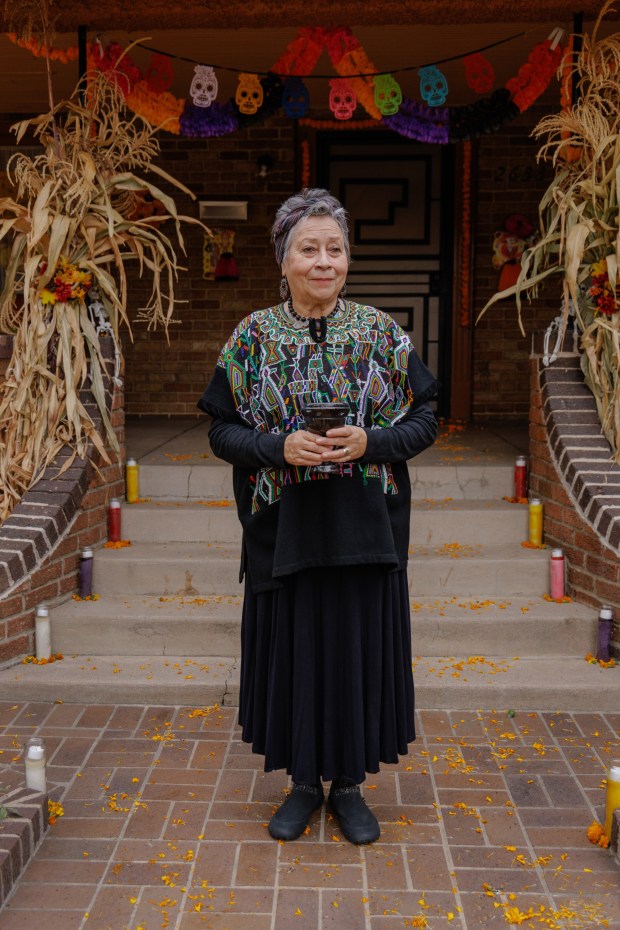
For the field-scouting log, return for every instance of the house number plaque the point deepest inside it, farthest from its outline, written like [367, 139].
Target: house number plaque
[519, 174]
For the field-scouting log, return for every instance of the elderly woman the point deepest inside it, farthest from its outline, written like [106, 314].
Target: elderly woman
[326, 680]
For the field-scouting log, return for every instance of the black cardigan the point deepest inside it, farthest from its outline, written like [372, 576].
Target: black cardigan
[332, 522]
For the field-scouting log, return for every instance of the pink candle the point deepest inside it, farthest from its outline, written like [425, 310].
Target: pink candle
[557, 574]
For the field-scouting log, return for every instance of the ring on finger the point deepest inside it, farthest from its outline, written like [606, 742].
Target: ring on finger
[345, 450]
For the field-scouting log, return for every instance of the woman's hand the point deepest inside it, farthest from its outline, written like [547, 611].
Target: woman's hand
[344, 444]
[302, 448]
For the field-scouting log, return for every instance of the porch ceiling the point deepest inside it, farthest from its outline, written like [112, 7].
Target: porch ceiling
[205, 14]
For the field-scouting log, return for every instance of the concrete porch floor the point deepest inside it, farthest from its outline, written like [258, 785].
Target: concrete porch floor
[167, 440]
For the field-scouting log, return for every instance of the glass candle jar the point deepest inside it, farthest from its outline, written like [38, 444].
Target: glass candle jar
[34, 765]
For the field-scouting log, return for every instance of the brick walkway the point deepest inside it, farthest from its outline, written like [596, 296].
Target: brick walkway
[166, 811]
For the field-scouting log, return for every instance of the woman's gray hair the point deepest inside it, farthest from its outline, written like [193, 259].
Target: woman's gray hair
[311, 201]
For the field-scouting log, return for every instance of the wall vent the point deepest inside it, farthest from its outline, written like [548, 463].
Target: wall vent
[223, 210]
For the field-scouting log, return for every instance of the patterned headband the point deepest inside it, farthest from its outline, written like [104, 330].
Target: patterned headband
[282, 228]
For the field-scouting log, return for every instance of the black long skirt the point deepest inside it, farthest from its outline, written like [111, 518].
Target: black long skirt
[326, 680]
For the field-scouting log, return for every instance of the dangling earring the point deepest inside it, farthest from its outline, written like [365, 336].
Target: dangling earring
[284, 291]
[343, 290]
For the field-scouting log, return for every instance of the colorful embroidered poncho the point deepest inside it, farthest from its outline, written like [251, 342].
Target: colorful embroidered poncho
[268, 370]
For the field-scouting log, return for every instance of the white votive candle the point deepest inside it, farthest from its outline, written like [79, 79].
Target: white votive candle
[34, 764]
[42, 634]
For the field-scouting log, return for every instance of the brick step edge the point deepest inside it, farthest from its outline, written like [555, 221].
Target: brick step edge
[20, 834]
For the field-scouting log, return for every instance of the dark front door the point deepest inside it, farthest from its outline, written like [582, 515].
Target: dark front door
[396, 193]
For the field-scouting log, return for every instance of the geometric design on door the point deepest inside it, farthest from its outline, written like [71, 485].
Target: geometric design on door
[396, 200]
[398, 197]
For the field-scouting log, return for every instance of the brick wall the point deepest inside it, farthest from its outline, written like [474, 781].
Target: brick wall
[41, 540]
[163, 378]
[509, 181]
[571, 473]
[20, 832]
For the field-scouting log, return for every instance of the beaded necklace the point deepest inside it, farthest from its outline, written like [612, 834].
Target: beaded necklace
[317, 327]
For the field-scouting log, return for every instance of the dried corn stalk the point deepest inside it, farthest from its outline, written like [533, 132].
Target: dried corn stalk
[71, 210]
[579, 216]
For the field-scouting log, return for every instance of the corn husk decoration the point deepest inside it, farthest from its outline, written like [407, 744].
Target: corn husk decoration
[72, 228]
[579, 216]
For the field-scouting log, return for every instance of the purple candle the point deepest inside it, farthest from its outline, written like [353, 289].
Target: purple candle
[604, 635]
[86, 573]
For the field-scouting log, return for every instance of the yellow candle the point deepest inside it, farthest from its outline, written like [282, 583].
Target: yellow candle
[131, 481]
[612, 798]
[536, 522]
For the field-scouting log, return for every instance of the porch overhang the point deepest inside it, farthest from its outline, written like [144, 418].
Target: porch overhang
[208, 14]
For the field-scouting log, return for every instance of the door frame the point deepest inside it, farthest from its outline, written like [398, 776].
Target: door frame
[445, 292]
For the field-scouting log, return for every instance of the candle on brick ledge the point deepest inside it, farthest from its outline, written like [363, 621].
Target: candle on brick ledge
[34, 765]
[42, 634]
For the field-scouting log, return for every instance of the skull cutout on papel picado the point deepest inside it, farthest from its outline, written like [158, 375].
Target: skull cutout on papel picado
[203, 89]
[295, 98]
[249, 96]
[342, 99]
[479, 73]
[433, 86]
[388, 95]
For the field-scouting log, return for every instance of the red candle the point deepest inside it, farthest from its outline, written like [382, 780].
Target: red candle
[521, 477]
[114, 520]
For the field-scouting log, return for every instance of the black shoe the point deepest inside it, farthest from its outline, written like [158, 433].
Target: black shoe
[291, 818]
[357, 822]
